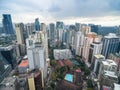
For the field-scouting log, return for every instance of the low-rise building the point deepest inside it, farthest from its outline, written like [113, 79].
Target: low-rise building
[9, 83]
[108, 73]
[22, 67]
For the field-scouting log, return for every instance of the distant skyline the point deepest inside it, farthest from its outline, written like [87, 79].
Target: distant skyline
[103, 12]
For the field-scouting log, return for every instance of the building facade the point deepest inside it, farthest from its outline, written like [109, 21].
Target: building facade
[110, 44]
[7, 24]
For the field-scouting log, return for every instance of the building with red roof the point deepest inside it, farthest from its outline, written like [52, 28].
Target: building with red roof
[22, 67]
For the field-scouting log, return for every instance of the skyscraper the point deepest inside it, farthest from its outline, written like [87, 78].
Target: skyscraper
[29, 27]
[118, 31]
[35, 81]
[94, 28]
[110, 44]
[43, 27]
[59, 25]
[52, 33]
[95, 48]
[77, 25]
[37, 24]
[37, 58]
[8, 55]
[36, 51]
[78, 44]
[7, 24]
[19, 33]
[90, 38]
[59, 30]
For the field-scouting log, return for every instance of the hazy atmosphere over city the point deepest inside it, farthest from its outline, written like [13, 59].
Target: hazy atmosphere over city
[59, 44]
[105, 12]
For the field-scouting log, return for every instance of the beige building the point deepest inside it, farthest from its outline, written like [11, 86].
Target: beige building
[89, 39]
[35, 81]
[19, 33]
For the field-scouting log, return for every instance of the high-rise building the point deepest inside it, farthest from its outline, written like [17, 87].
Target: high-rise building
[71, 36]
[103, 30]
[77, 25]
[37, 24]
[36, 51]
[94, 28]
[5, 68]
[85, 29]
[59, 25]
[110, 44]
[95, 48]
[7, 24]
[37, 58]
[35, 81]
[52, 33]
[72, 27]
[9, 55]
[78, 43]
[1, 28]
[59, 31]
[30, 28]
[43, 27]
[98, 58]
[19, 33]
[89, 39]
[118, 31]
[64, 37]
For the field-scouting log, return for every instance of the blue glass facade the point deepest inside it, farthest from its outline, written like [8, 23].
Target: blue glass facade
[59, 25]
[110, 45]
[37, 24]
[8, 56]
[7, 24]
[5, 68]
[94, 28]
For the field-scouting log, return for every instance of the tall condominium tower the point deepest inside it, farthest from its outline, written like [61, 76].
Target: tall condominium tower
[52, 33]
[78, 44]
[89, 39]
[43, 27]
[59, 30]
[95, 48]
[7, 24]
[19, 33]
[36, 51]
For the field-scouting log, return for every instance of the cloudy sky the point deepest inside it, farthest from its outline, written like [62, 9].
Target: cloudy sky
[104, 12]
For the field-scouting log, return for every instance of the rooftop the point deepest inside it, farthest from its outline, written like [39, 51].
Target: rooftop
[116, 86]
[24, 63]
[78, 70]
[5, 48]
[110, 74]
[111, 35]
[25, 57]
[99, 56]
[109, 62]
[106, 88]
[8, 81]
[64, 62]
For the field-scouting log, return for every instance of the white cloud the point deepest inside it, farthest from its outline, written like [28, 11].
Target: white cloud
[103, 12]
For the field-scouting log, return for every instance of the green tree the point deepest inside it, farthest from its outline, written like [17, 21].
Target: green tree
[49, 88]
[87, 72]
[89, 83]
[53, 63]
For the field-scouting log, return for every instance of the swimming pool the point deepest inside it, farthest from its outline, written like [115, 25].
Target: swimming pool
[69, 77]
